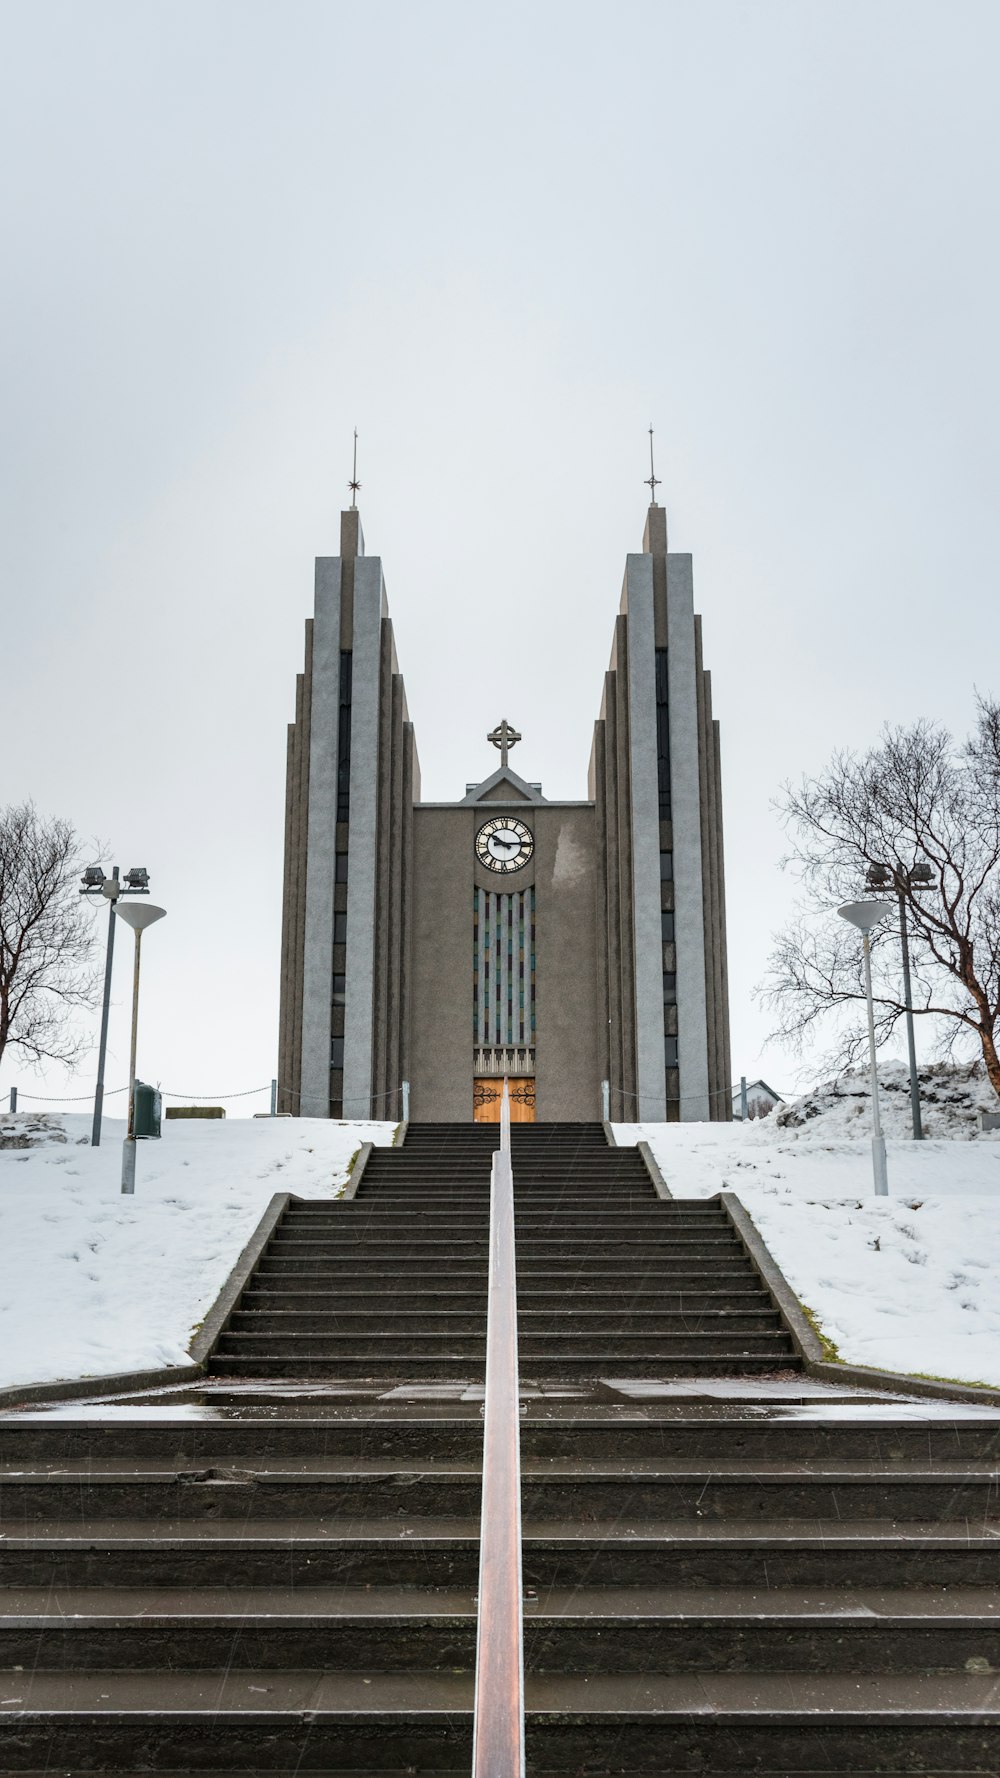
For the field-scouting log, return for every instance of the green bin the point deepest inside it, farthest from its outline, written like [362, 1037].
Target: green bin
[147, 1111]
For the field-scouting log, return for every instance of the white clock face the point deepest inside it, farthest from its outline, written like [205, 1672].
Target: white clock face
[504, 845]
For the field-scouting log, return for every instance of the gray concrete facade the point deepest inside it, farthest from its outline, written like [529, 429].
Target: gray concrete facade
[317, 964]
[685, 789]
[369, 609]
[650, 1076]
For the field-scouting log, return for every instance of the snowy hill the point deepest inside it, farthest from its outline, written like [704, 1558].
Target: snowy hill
[91, 1282]
[905, 1283]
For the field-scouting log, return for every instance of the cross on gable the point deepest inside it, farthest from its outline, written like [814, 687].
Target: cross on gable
[504, 737]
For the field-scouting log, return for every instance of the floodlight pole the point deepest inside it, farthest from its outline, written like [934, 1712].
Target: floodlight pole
[95, 1137]
[918, 1128]
[878, 1140]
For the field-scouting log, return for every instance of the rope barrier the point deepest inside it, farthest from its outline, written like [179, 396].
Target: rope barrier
[68, 1098]
[296, 1094]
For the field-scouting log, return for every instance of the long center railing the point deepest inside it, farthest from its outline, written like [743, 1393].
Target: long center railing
[498, 1723]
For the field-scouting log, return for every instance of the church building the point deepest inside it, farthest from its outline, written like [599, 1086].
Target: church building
[577, 947]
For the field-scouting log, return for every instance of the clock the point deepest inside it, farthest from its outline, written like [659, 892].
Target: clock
[504, 845]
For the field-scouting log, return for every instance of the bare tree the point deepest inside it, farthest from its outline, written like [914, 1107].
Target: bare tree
[917, 797]
[45, 937]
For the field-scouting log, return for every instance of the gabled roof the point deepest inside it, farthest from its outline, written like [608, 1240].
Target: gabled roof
[503, 785]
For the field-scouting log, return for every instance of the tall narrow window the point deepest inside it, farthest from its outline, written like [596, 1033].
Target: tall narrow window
[662, 734]
[344, 739]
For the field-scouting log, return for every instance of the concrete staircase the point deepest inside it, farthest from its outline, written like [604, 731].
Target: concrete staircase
[276, 1573]
[612, 1280]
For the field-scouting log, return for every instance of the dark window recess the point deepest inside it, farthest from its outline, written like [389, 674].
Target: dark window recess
[669, 990]
[337, 1052]
[340, 929]
[340, 875]
[667, 926]
[662, 734]
[670, 1051]
[666, 867]
[340, 990]
[344, 739]
[337, 1014]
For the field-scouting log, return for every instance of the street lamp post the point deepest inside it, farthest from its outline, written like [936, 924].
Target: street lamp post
[138, 915]
[96, 883]
[864, 915]
[917, 877]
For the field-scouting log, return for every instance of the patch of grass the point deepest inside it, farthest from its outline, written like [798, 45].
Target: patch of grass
[830, 1351]
[342, 1187]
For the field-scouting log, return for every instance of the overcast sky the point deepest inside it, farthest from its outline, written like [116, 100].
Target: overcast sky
[499, 241]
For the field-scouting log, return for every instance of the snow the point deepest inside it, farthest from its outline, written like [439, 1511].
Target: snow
[92, 1282]
[904, 1283]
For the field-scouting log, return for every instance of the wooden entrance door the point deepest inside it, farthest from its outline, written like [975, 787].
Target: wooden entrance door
[487, 1092]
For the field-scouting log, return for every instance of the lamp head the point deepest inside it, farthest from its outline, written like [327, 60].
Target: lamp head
[139, 914]
[864, 914]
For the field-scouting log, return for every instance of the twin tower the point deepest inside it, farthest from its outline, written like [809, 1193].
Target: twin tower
[577, 947]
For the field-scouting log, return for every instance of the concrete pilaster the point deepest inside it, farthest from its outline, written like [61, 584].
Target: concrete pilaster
[362, 855]
[645, 823]
[317, 970]
[685, 802]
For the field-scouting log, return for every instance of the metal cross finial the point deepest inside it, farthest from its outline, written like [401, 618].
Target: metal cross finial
[653, 480]
[504, 737]
[354, 484]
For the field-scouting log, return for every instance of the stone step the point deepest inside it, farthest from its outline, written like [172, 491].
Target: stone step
[650, 1216]
[533, 1324]
[231, 1719]
[431, 1247]
[573, 1630]
[660, 1274]
[403, 1366]
[532, 1302]
[591, 1493]
[872, 1433]
[550, 1490]
[407, 1551]
[612, 1345]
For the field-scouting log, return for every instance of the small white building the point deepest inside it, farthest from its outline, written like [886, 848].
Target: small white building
[761, 1099]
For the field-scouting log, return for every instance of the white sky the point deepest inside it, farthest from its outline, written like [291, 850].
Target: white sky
[499, 241]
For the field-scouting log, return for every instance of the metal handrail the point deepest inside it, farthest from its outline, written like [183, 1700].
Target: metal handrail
[498, 1722]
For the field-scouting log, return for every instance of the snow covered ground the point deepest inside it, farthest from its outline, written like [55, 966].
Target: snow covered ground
[907, 1283]
[91, 1282]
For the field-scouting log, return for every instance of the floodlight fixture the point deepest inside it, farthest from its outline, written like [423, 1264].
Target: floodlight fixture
[137, 878]
[93, 877]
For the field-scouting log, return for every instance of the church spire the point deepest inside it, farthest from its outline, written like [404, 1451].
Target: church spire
[352, 542]
[652, 480]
